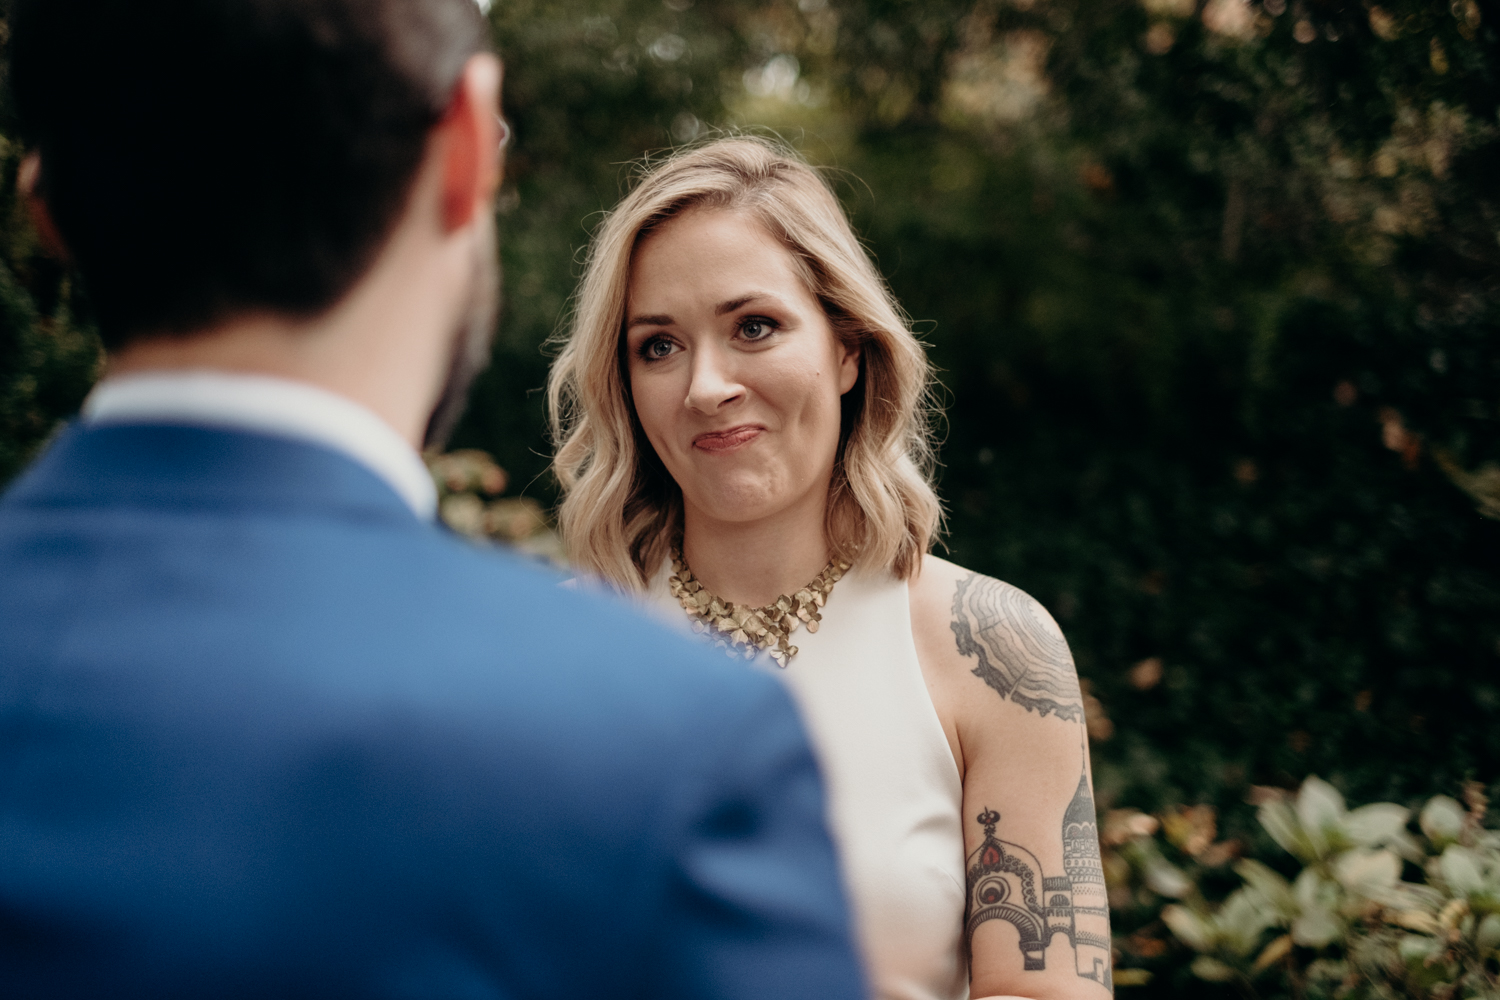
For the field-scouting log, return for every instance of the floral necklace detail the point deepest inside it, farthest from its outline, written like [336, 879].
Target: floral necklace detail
[735, 627]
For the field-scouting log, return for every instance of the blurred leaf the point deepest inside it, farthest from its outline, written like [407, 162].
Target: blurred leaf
[1415, 949]
[1367, 874]
[1483, 485]
[1487, 935]
[1166, 879]
[1416, 920]
[1320, 809]
[1190, 928]
[1376, 825]
[1442, 820]
[1132, 977]
[1316, 927]
[1317, 923]
[1280, 821]
[1461, 871]
[1242, 920]
[1212, 969]
[1272, 887]
[1274, 952]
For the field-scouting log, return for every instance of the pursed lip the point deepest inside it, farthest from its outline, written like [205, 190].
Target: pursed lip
[719, 442]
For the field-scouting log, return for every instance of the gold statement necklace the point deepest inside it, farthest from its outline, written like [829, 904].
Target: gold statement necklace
[741, 630]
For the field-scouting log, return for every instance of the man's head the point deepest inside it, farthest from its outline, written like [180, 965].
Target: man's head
[206, 160]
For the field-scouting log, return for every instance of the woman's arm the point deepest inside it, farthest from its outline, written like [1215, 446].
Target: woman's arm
[1004, 684]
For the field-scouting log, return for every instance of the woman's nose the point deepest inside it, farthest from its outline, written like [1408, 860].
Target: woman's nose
[713, 382]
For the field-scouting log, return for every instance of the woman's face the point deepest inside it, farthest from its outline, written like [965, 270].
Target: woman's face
[734, 368]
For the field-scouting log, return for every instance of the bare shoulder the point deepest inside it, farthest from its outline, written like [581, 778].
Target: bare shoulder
[1037, 919]
[971, 624]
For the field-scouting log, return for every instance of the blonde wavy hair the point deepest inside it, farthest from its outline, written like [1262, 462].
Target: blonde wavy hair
[621, 511]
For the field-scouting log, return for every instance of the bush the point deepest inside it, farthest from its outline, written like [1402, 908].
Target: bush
[471, 502]
[1214, 288]
[1374, 910]
[49, 355]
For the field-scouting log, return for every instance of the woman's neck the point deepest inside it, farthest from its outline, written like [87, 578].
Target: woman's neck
[756, 562]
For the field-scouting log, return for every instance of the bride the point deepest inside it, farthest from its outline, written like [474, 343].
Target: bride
[741, 415]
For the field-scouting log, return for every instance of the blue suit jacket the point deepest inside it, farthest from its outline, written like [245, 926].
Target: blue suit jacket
[265, 734]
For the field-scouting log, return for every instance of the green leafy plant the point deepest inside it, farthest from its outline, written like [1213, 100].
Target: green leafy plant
[1374, 910]
[1212, 289]
[49, 353]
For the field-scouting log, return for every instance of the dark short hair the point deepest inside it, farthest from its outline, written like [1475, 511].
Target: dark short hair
[204, 159]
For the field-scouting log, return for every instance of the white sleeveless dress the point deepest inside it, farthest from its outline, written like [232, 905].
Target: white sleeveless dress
[895, 799]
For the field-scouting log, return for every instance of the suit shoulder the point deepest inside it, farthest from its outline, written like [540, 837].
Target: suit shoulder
[509, 613]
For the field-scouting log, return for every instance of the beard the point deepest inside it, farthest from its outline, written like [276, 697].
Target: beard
[472, 339]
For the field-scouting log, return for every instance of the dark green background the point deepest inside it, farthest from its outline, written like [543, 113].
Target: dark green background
[1183, 286]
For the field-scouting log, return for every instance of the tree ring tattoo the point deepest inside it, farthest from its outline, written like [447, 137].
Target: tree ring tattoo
[1021, 654]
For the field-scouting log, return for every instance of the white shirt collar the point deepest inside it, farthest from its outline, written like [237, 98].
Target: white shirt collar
[269, 405]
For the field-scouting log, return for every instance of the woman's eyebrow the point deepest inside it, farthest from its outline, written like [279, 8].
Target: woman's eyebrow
[727, 306]
[731, 305]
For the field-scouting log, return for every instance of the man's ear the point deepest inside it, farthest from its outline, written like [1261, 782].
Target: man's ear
[470, 139]
[41, 216]
[849, 367]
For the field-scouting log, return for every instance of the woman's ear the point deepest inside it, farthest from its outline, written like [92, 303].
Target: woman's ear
[849, 367]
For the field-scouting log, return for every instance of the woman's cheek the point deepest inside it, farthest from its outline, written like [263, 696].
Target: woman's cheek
[792, 386]
[651, 406]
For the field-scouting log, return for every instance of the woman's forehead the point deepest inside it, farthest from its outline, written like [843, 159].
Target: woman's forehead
[713, 252]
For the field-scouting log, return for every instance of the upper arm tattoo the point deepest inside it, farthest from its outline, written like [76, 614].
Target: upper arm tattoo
[1006, 882]
[1021, 654]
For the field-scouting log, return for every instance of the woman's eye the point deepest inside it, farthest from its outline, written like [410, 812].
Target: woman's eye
[657, 348]
[756, 328]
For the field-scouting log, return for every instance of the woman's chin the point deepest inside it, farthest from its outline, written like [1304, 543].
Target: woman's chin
[738, 502]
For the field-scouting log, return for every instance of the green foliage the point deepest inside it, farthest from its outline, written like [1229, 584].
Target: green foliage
[1214, 290]
[48, 357]
[470, 501]
[1204, 315]
[1374, 911]
[590, 86]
